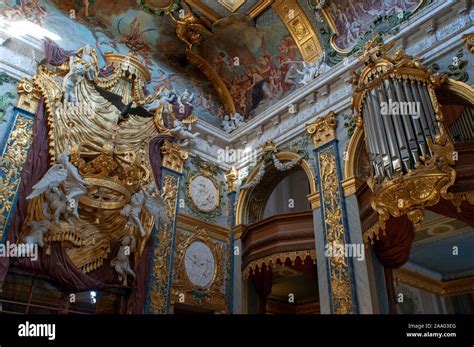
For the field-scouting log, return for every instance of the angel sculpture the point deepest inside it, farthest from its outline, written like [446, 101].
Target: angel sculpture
[228, 124]
[89, 58]
[185, 137]
[36, 235]
[186, 99]
[162, 97]
[74, 186]
[132, 211]
[121, 262]
[237, 119]
[56, 202]
[309, 72]
[154, 205]
[72, 79]
[321, 65]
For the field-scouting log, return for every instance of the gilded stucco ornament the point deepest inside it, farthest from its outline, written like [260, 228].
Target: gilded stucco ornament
[13, 156]
[410, 192]
[323, 129]
[469, 42]
[199, 276]
[28, 96]
[118, 199]
[232, 176]
[323, 135]
[174, 156]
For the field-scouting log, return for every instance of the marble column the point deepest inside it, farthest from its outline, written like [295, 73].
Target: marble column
[335, 265]
[161, 264]
[231, 178]
[13, 154]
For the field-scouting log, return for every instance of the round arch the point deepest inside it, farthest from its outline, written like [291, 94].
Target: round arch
[244, 196]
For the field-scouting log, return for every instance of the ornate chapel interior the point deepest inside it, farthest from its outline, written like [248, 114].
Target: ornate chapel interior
[236, 157]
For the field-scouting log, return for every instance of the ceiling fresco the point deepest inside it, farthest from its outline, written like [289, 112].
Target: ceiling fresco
[437, 255]
[352, 19]
[122, 27]
[246, 60]
[254, 47]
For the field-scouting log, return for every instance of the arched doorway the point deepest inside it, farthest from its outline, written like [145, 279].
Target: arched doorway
[278, 247]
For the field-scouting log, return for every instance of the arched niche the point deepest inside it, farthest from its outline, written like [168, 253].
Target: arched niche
[248, 198]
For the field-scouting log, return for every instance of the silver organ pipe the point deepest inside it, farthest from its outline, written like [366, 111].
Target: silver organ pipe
[373, 141]
[406, 125]
[462, 130]
[425, 118]
[389, 128]
[382, 136]
[397, 141]
[425, 97]
[401, 140]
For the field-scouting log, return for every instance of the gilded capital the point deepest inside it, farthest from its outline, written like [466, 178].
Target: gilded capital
[174, 156]
[323, 129]
[469, 38]
[28, 97]
[269, 147]
[231, 179]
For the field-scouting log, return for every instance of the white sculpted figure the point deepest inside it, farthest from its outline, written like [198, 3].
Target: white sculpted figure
[56, 202]
[72, 79]
[185, 137]
[309, 72]
[227, 124]
[154, 205]
[322, 65]
[312, 70]
[89, 58]
[162, 97]
[232, 122]
[133, 210]
[186, 99]
[121, 263]
[74, 186]
[36, 235]
[237, 119]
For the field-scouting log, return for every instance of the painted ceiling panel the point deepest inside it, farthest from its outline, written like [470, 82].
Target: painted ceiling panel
[438, 255]
[253, 56]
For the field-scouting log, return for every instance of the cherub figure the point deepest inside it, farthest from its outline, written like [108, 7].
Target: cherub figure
[65, 173]
[309, 73]
[72, 79]
[153, 204]
[121, 263]
[133, 210]
[36, 235]
[227, 124]
[186, 98]
[89, 57]
[237, 119]
[184, 136]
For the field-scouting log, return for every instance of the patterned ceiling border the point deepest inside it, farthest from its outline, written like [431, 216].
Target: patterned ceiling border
[213, 16]
[300, 28]
[446, 288]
